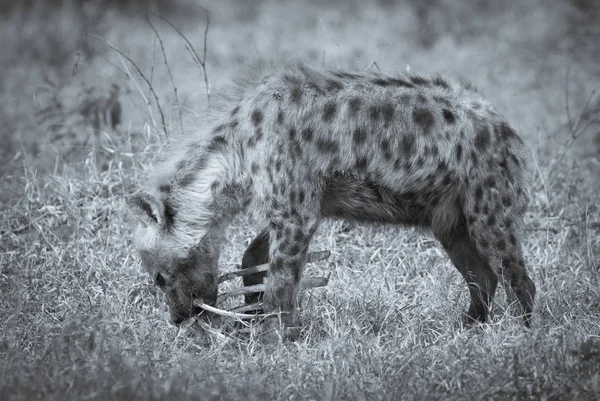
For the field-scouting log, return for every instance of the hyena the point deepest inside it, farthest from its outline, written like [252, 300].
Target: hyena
[293, 144]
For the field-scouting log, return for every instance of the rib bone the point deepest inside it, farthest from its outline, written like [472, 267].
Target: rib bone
[312, 257]
[305, 283]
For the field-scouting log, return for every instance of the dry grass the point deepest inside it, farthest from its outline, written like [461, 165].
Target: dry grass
[80, 320]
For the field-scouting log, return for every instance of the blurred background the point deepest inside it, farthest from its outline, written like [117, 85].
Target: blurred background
[62, 74]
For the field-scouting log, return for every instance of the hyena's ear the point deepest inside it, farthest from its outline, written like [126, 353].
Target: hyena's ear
[146, 207]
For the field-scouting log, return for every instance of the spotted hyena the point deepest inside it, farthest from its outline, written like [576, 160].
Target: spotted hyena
[293, 144]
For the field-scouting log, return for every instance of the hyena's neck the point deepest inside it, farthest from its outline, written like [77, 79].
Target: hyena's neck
[207, 198]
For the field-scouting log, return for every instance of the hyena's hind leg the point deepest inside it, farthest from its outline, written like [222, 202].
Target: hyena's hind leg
[474, 267]
[256, 254]
[494, 224]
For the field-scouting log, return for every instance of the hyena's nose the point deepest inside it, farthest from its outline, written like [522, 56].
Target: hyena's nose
[177, 319]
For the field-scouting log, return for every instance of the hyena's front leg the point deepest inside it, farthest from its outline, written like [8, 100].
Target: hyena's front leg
[290, 238]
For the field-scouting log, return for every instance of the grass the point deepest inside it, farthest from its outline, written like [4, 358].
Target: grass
[81, 320]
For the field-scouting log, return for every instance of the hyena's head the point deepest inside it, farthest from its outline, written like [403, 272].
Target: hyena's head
[183, 272]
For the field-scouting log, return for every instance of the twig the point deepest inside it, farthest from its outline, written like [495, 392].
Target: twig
[575, 131]
[162, 49]
[153, 60]
[312, 257]
[567, 99]
[305, 283]
[162, 115]
[373, 64]
[190, 48]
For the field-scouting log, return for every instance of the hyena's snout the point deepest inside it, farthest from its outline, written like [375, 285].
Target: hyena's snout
[181, 304]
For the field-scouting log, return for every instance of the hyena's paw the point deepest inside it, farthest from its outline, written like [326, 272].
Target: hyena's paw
[473, 318]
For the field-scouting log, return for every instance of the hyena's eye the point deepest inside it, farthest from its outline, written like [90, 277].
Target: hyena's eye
[159, 280]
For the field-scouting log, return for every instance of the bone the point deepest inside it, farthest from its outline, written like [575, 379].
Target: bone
[305, 283]
[312, 257]
[247, 308]
[229, 314]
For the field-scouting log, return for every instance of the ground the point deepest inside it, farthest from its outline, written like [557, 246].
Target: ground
[81, 320]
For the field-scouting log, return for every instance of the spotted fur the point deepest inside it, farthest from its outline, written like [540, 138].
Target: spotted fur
[293, 144]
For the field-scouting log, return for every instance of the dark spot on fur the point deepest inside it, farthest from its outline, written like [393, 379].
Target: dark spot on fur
[257, 117]
[385, 149]
[479, 193]
[408, 144]
[359, 136]
[187, 179]
[301, 196]
[387, 111]
[296, 94]
[251, 142]
[421, 98]
[491, 221]
[170, 214]
[439, 81]
[354, 106]
[292, 196]
[374, 112]
[448, 116]
[235, 111]
[443, 101]
[424, 119]
[333, 85]
[512, 239]
[501, 245]
[327, 145]
[459, 151]
[219, 128]
[506, 201]
[277, 263]
[381, 82]
[165, 188]
[474, 158]
[254, 167]
[484, 243]
[418, 80]
[329, 111]
[296, 148]
[278, 165]
[400, 82]
[292, 134]
[307, 134]
[505, 132]
[490, 182]
[361, 163]
[233, 124]
[280, 117]
[482, 139]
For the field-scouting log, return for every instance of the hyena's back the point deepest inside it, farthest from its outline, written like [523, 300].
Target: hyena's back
[435, 143]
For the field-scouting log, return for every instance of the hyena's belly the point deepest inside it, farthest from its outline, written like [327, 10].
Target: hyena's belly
[352, 197]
